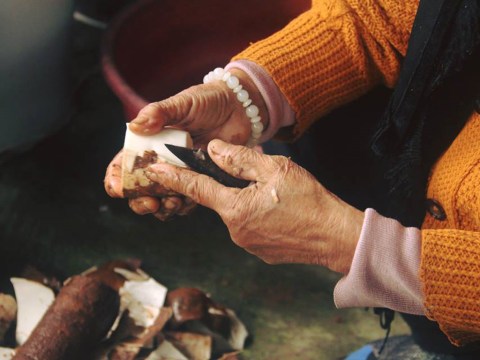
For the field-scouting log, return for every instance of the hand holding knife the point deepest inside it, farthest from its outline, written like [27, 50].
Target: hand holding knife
[201, 162]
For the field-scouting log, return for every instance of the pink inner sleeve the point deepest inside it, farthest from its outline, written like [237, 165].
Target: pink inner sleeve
[385, 267]
[280, 113]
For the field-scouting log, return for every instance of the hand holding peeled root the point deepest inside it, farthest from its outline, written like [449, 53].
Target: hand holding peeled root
[163, 205]
[284, 216]
[206, 111]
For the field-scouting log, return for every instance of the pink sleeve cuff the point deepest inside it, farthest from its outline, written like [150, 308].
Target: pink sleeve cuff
[385, 268]
[280, 113]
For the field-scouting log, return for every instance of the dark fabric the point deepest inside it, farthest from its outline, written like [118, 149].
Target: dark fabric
[428, 336]
[436, 93]
[405, 347]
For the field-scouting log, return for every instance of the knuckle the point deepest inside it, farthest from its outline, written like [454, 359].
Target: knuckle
[241, 240]
[150, 109]
[192, 188]
[235, 214]
[282, 161]
[239, 150]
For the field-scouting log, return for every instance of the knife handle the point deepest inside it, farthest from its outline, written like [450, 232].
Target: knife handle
[214, 171]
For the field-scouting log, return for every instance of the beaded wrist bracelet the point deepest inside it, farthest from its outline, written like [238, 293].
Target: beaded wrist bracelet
[243, 96]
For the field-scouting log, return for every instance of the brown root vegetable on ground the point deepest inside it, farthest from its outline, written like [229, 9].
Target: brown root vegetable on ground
[192, 304]
[77, 321]
[107, 273]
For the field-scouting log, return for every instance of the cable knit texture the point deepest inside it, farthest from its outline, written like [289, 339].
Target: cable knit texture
[334, 53]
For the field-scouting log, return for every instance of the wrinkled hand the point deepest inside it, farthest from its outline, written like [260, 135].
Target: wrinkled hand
[207, 111]
[284, 216]
[162, 208]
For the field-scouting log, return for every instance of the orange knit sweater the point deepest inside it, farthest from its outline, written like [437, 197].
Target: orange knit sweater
[337, 51]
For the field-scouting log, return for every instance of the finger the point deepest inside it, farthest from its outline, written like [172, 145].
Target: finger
[200, 188]
[241, 161]
[187, 207]
[169, 206]
[174, 205]
[171, 203]
[144, 205]
[113, 177]
[153, 117]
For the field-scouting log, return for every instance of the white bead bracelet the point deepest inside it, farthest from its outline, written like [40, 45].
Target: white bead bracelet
[243, 96]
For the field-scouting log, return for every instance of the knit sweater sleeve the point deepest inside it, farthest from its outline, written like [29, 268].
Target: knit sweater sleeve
[450, 272]
[335, 52]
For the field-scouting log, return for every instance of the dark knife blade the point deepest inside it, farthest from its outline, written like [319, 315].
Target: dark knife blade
[201, 162]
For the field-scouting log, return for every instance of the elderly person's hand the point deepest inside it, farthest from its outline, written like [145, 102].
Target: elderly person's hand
[284, 216]
[162, 208]
[207, 111]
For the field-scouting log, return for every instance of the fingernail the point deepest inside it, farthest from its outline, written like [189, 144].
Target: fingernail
[139, 128]
[216, 146]
[140, 120]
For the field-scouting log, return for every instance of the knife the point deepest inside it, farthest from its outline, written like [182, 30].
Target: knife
[199, 161]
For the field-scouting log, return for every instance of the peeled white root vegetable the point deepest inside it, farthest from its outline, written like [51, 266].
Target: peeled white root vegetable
[140, 151]
[33, 300]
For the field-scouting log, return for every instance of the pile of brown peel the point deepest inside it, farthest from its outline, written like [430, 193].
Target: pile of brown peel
[114, 312]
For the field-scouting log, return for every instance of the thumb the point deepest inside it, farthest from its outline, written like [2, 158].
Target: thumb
[241, 161]
[153, 117]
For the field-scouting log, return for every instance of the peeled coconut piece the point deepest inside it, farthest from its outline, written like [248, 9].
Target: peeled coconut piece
[140, 151]
[33, 300]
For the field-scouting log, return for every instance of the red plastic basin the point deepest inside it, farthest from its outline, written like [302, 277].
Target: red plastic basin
[157, 48]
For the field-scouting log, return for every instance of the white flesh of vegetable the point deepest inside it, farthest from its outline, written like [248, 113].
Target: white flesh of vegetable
[166, 351]
[238, 332]
[135, 145]
[143, 298]
[33, 300]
